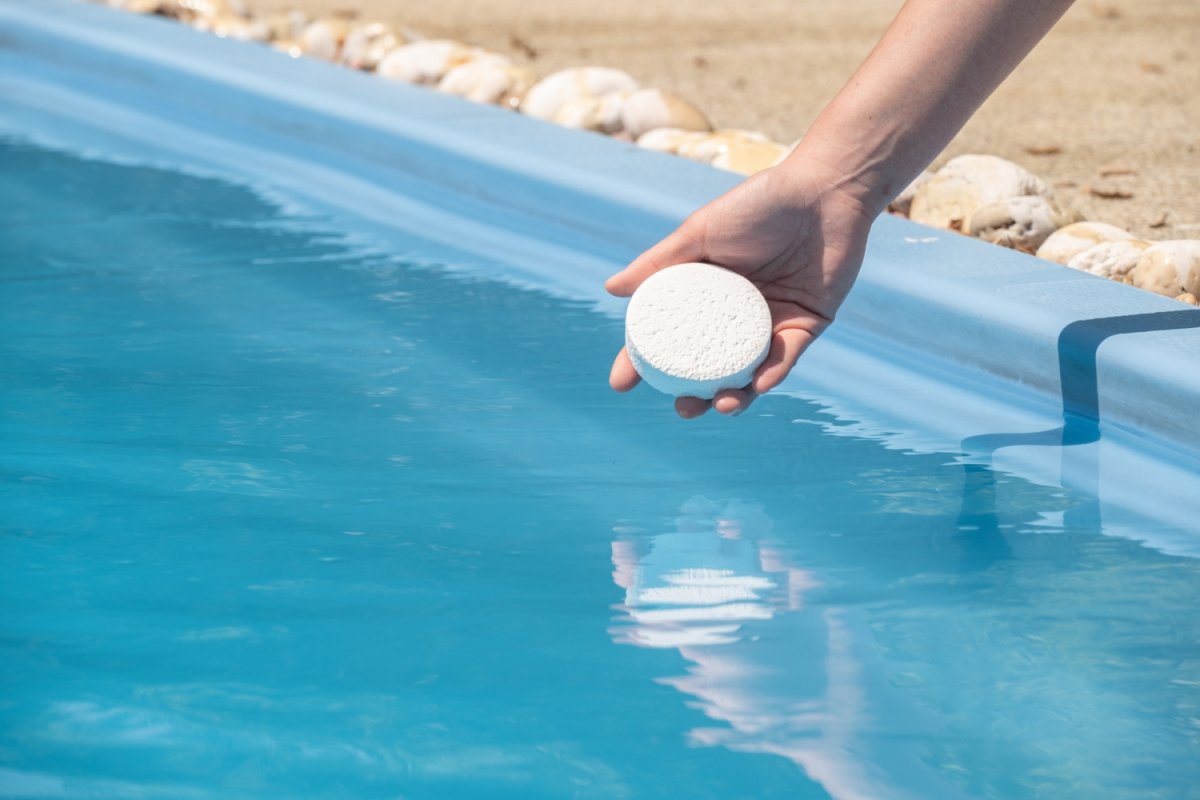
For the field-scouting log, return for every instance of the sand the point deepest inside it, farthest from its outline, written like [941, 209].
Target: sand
[1108, 103]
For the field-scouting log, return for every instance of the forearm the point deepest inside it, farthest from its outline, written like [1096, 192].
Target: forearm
[936, 64]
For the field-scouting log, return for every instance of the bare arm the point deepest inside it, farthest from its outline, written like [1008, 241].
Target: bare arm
[799, 230]
[933, 68]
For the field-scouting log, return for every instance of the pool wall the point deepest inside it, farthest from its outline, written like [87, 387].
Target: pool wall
[397, 154]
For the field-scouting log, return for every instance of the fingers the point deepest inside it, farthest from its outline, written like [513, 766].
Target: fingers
[786, 346]
[623, 376]
[691, 407]
[730, 402]
[682, 246]
[734, 401]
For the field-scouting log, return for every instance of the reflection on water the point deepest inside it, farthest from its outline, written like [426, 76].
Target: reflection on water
[695, 585]
[283, 517]
[988, 660]
[782, 678]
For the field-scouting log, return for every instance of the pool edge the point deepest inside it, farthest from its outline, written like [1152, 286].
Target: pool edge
[1107, 350]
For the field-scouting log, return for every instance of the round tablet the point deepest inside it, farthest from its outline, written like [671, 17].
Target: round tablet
[694, 329]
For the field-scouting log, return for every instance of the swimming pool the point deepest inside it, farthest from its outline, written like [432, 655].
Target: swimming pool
[331, 500]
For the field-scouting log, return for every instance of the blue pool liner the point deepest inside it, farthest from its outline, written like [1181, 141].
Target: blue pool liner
[559, 210]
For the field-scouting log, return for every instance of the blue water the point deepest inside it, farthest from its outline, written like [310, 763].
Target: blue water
[285, 515]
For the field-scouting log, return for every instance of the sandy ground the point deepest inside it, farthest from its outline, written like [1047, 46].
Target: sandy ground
[1116, 84]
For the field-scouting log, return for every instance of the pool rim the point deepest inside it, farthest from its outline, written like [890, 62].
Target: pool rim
[1109, 352]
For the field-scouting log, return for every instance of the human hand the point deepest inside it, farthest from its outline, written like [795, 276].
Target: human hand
[796, 235]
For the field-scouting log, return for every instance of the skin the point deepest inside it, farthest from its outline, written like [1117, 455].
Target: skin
[799, 230]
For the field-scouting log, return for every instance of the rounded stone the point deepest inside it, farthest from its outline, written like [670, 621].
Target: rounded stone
[1169, 268]
[1021, 223]
[968, 183]
[667, 140]
[708, 146]
[1068, 242]
[1112, 260]
[601, 114]
[487, 80]
[692, 330]
[367, 44]
[750, 157]
[323, 39]
[428, 60]
[648, 109]
[546, 97]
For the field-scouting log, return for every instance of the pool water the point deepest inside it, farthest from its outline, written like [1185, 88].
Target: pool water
[285, 514]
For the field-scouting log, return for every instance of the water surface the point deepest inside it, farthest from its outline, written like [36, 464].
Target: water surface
[284, 515]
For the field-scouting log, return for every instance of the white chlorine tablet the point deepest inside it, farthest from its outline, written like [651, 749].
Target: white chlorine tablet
[694, 329]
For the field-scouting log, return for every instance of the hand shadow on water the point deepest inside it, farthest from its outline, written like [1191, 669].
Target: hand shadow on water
[1078, 344]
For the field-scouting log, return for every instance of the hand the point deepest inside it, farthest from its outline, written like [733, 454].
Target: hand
[792, 232]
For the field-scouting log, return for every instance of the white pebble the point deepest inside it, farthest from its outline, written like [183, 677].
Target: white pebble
[487, 80]
[707, 146]
[546, 97]
[648, 109]
[427, 61]
[693, 330]
[601, 114]
[367, 44]
[1021, 223]
[667, 140]
[745, 152]
[968, 183]
[1112, 260]
[1169, 268]
[749, 157]
[1066, 243]
[323, 39]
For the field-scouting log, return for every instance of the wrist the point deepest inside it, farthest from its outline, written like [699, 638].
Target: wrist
[814, 179]
[853, 172]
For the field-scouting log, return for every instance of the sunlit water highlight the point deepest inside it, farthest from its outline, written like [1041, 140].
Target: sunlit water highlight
[285, 517]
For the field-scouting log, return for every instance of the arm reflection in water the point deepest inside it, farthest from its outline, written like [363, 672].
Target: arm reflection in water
[786, 679]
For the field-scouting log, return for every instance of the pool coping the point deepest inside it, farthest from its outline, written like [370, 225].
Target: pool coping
[1110, 352]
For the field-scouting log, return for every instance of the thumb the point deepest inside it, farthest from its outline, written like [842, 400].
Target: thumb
[685, 244]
